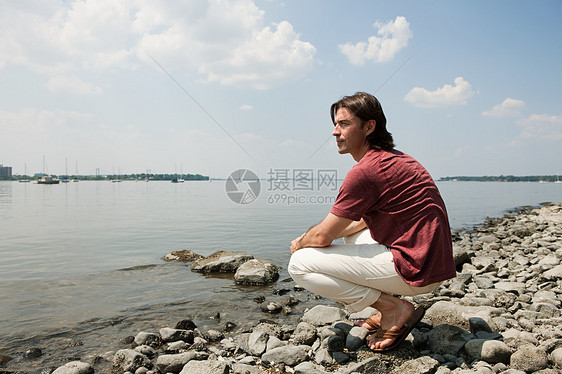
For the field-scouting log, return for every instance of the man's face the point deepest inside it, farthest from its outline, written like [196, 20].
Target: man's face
[350, 137]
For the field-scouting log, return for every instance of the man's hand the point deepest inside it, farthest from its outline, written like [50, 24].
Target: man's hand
[322, 234]
[296, 244]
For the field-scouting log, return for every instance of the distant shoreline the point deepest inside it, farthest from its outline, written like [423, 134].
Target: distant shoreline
[505, 178]
[120, 177]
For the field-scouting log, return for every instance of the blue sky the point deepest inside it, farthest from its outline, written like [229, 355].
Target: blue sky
[211, 86]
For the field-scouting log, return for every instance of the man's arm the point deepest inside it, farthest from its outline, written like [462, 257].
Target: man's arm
[323, 234]
[353, 228]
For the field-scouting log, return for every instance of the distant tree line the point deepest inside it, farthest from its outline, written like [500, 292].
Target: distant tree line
[504, 178]
[126, 177]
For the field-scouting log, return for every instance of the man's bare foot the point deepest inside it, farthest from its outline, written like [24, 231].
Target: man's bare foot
[395, 313]
[373, 323]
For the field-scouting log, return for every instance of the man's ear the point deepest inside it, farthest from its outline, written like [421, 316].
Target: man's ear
[370, 126]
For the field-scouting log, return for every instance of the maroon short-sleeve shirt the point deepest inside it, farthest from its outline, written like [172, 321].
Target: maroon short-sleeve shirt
[404, 211]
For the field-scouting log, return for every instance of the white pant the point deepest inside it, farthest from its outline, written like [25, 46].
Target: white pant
[354, 273]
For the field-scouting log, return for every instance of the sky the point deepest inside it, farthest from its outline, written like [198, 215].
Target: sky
[212, 86]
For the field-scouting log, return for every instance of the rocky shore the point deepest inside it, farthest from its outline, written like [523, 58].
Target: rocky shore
[501, 314]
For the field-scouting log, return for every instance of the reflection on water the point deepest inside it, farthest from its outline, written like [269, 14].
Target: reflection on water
[82, 261]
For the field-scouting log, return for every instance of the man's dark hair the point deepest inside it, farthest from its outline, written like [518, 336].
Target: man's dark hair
[367, 107]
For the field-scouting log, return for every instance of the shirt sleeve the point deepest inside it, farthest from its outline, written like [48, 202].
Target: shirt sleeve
[354, 197]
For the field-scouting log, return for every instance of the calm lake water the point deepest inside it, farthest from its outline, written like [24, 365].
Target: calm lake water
[82, 261]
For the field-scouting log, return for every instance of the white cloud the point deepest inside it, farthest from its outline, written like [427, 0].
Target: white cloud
[445, 96]
[59, 37]
[226, 41]
[246, 107]
[391, 38]
[71, 85]
[269, 58]
[542, 127]
[509, 108]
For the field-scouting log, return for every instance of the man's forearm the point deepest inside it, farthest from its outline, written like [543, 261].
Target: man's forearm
[353, 228]
[314, 237]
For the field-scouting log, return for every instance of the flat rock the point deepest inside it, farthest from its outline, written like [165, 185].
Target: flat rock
[322, 315]
[289, 355]
[75, 367]
[171, 335]
[517, 287]
[221, 262]
[554, 273]
[445, 312]
[256, 272]
[185, 255]
[175, 363]
[206, 367]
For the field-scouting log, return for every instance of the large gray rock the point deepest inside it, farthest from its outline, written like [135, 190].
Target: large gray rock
[490, 351]
[445, 312]
[129, 360]
[172, 335]
[517, 287]
[175, 363]
[289, 355]
[447, 339]
[529, 359]
[322, 315]
[257, 343]
[75, 367]
[221, 262]
[305, 333]
[206, 367]
[256, 272]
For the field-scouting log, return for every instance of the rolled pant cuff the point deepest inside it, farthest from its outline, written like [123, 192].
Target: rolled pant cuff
[369, 299]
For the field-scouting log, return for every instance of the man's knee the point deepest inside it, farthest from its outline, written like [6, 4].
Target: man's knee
[296, 266]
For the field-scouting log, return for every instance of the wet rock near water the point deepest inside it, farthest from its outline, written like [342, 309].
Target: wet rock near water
[501, 314]
[247, 270]
[221, 262]
[185, 255]
[256, 272]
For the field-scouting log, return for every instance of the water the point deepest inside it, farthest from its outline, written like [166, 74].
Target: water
[82, 261]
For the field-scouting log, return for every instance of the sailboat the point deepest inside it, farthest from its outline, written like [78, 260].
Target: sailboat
[47, 179]
[75, 179]
[25, 178]
[180, 179]
[65, 179]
